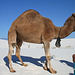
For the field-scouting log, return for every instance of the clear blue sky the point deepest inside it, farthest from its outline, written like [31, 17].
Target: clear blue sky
[56, 10]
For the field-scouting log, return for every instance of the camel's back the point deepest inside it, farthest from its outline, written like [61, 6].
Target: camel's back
[30, 26]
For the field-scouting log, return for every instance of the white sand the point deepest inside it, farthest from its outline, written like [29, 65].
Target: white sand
[34, 56]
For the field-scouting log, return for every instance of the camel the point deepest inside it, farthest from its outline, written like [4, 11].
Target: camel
[31, 27]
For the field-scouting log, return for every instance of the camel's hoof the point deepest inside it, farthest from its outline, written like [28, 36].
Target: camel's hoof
[12, 70]
[45, 68]
[25, 65]
[53, 71]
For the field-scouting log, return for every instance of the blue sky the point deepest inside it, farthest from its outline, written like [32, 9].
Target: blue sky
[56, 10]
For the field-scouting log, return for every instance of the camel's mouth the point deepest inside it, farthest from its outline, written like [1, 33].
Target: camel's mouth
[57, 44]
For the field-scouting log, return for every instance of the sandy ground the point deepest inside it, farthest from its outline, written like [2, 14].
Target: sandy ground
[34, 56]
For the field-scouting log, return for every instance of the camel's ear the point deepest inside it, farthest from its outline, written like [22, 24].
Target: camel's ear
[73, 14]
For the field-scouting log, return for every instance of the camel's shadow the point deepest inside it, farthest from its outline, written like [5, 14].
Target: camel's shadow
[26, 59]
[67, 62]
[70, 64]
[35, 61]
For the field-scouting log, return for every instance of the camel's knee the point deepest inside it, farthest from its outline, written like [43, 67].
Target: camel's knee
[10, 51]
[11, 46]
[48, 57]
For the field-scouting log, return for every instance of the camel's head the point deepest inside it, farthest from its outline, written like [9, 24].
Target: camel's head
[73, 15]
[71, 22]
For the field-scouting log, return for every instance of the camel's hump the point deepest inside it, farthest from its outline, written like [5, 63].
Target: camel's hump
[31, 10]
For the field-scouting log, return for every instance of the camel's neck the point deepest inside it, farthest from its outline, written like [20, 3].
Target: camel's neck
[64, 32]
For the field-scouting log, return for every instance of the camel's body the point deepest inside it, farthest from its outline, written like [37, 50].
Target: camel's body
[34, 28]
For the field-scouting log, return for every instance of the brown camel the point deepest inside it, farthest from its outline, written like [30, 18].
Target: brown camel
[33, 28]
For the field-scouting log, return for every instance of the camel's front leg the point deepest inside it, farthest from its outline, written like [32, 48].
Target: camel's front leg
[10, 57]
[47, 53]
[45, 67]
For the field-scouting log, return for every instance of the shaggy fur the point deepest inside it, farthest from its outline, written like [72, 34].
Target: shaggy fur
[34, 28]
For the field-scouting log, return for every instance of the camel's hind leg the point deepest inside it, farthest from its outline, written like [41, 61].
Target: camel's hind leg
[12, 42]
[18, 45]
[10, 57]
